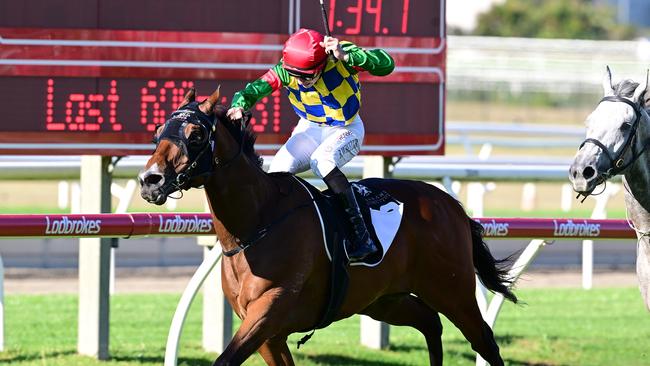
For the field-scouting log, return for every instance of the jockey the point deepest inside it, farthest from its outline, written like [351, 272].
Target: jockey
[326, 95]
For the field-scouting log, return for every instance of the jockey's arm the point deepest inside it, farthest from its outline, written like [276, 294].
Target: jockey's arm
[377, 62]
[254, 91]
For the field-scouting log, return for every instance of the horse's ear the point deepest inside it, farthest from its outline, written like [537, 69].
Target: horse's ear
[189, 98]
[608, 87]
[641, 94]
[207, 105]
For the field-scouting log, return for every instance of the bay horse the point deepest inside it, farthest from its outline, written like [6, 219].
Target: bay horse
[618, 135]
[277, 282]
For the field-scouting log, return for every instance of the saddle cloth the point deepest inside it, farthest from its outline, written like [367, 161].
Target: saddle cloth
[381, 212]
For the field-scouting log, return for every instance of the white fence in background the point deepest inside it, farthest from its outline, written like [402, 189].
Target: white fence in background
[548, 65]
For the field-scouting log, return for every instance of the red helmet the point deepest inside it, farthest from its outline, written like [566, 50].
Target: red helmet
[303, 54]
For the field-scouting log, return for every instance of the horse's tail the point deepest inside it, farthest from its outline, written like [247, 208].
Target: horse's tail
[492, 272]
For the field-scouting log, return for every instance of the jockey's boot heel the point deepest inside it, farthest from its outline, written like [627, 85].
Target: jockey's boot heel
[362, 244]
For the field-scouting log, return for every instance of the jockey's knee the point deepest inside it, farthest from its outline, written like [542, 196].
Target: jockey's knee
[284, 161]
[321, 167]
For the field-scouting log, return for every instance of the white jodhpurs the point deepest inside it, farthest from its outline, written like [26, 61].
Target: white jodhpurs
[319, 147]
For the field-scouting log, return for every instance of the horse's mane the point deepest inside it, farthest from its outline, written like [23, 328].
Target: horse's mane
[625, 88]
[245, 139]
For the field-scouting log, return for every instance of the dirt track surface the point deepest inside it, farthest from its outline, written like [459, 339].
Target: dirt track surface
[174, 280]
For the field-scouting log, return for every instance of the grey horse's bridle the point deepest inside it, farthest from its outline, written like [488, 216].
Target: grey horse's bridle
[617, 163]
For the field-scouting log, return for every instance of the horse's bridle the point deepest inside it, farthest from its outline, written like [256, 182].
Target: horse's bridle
[173, 131]
[617, 163]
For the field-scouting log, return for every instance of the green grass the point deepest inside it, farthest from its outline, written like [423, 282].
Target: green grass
[555, 327]
[33, 210]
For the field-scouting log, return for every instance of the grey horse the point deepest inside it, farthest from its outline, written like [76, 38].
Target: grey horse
[618, 135]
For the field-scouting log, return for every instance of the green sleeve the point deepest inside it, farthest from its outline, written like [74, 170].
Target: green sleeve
[271, 81]
[377, 62]
[254, 91]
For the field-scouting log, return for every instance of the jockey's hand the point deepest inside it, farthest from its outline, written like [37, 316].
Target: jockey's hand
[332, 46]
[235, 113]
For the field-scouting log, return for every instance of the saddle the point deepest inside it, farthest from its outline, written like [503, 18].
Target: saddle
[337, 227]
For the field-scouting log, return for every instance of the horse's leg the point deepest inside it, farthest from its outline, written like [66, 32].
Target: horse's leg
[463, 311]
[264, 317]
[643, 269]
[453, 295]
[275, 352]
[405, 309]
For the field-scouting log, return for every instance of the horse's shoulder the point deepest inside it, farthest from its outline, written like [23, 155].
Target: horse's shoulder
[290, 184]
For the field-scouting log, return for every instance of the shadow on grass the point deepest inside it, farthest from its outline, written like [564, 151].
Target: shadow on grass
[13, 356]
[505, 340]
[159, 360]
[329, 359]
[523, 363]
[10, 357]
[407, 347]
[511, 362]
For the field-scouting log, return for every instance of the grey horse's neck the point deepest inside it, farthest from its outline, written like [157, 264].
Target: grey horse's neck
[637, 195]
[637, 203]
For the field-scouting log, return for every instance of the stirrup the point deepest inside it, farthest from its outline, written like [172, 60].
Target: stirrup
[365, 250]
[361, 245]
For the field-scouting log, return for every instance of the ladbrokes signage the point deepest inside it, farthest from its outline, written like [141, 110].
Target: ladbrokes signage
[494, 228]
[67, 226]
[566, 228]
[578, 229]
[184, 225]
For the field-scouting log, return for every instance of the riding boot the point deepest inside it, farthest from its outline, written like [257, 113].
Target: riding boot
[362, 244]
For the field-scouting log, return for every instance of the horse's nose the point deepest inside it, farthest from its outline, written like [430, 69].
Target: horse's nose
[579, 171]
[589, 172]
[582, 176]
[151, 179]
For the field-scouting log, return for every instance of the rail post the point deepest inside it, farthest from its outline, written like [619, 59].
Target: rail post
[375, 334]
[94, 261]
[599, 212]
[217, 313]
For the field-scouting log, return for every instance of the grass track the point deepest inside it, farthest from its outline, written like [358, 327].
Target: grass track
[555, 327]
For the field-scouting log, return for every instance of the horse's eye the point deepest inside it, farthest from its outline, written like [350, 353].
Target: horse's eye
[157, 130]
[197, 137]
[626, 127]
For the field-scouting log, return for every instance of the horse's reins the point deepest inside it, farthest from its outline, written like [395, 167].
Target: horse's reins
[261, 233]
[183, 177]
[617, 163]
